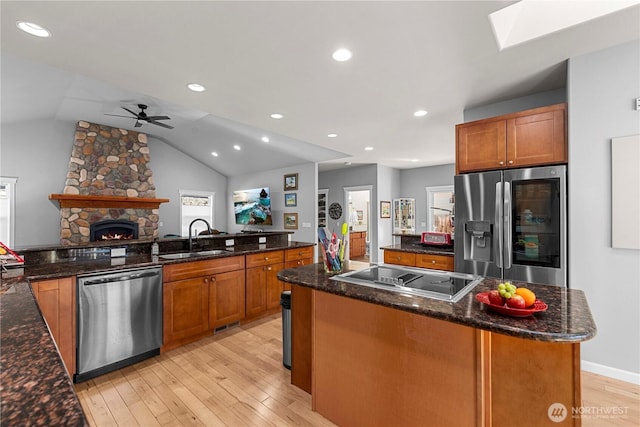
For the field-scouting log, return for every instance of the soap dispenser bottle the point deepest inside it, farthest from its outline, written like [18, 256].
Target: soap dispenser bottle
[155, 248]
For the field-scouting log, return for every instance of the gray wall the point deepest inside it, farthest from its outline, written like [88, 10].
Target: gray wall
[174, 171]
[274, 179]
[413, 183]
[536, 100]
[388, 188]
[602, 87]
[37, 152]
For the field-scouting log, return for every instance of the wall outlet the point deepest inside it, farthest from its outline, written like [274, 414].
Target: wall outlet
[637, 103]
[118, 252]
[262, 240]
[228, 242]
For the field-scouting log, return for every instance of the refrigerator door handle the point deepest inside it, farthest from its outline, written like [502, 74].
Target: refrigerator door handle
[497, 239]
[508, 241]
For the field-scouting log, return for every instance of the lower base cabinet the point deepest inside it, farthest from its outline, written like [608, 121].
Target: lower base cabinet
[185, 311]
[57, 301]
[226, 298]
[410, 259]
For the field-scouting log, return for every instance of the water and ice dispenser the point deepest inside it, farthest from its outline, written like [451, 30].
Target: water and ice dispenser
[478, 241]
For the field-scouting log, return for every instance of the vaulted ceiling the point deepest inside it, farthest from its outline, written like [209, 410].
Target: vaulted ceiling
[260, 57]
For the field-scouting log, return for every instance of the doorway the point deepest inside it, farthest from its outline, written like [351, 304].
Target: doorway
[358, 216]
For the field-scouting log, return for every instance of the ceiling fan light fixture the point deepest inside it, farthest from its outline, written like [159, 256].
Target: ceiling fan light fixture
[33, 29]
[196, 87]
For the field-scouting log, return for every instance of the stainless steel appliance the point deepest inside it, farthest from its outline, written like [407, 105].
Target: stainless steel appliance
[441, 285]
[119, 320]
[512, 224]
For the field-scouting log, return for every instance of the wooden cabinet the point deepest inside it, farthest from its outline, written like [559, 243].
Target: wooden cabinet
[357, 244]
[185, 311]
[57, 301]
[527, 138]
[226, 298]
[301, 337]
[263, 288]
[435, 262]
[190, 308]
[296, 258]
[432, 261]
[399, 257]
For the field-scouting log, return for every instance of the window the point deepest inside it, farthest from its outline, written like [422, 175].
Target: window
[7, 210]
[196, 204]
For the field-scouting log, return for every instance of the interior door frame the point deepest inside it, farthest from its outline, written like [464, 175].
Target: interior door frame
[371, 218]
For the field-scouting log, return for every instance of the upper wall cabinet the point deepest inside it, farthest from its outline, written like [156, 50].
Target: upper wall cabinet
[527, 138]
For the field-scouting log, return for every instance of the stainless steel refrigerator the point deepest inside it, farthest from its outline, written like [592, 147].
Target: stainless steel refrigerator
[512, 224]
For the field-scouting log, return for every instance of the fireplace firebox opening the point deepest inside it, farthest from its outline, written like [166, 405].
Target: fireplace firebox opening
[113, 229]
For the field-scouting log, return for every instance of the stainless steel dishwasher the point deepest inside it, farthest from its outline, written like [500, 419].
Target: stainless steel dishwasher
[119, 320]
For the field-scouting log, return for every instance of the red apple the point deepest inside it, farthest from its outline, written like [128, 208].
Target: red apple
[516, 301]
[495, 298]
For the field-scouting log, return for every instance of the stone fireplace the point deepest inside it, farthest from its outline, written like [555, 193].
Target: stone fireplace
[108, 179]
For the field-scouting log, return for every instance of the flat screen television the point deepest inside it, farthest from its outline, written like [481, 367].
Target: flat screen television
[252, 207]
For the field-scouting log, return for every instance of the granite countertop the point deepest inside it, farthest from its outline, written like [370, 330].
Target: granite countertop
[34, 386]
[567, 319]
[419, 248]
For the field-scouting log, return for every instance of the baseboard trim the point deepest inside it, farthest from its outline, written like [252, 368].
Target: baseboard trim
[607, 371]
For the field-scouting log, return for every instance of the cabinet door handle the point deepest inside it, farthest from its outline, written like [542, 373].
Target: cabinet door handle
[501, 163]
[213, 279]
[510, 162]
[266, 258]
[268, 268]
[206, 280]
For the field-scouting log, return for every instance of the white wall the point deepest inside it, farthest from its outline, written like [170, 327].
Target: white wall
[37, 152]
[388, 188]
[602, 87]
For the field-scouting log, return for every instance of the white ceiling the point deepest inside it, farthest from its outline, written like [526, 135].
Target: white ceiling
[260, 57]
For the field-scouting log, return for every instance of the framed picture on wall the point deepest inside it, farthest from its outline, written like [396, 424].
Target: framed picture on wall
[291, 199]
[385, 209]
[291, 221]
[291, 181]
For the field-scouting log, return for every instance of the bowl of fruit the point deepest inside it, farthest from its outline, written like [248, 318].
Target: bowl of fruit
[511, 300]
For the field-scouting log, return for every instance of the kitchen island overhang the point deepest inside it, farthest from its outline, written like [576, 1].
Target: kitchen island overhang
[420, 351]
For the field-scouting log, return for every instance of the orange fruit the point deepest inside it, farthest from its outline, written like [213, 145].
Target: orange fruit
[528, 295]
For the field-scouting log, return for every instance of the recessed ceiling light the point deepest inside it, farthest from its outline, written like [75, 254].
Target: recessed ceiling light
[332, 135]
[276, 116]
[265, 139]
[196, 87]
[33, 29]
[347, 163]
[236, 147]
[342, 55]
[368, 148]
[414, 160]
[420, 113]
[214, 154]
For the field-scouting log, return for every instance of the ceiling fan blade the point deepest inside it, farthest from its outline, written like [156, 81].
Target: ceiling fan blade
[118, 115]
[151, 118]
[161, 124]
[135, 114]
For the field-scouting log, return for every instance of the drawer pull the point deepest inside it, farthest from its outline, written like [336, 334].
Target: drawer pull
[433, 261]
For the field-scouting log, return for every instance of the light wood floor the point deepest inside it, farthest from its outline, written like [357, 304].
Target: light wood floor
[236, 378]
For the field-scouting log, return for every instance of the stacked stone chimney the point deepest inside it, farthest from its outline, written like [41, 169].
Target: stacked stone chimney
[108, 161]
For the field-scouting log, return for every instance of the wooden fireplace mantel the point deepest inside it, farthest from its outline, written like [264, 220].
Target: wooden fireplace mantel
[92, 201]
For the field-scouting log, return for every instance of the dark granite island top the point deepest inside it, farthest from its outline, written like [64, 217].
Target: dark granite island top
[371, 356]
[34, 386]
[567, 319]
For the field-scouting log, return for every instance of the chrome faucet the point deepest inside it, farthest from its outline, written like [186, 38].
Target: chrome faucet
[196, 237]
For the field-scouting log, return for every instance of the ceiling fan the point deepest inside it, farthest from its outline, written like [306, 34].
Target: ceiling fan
[142, 117]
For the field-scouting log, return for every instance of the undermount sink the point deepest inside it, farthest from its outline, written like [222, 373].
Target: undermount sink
[182, 255]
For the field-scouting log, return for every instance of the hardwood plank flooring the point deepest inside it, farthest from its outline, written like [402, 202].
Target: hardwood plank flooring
[236, 378]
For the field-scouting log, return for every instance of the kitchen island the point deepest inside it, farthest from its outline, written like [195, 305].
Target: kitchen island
[375, 357]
